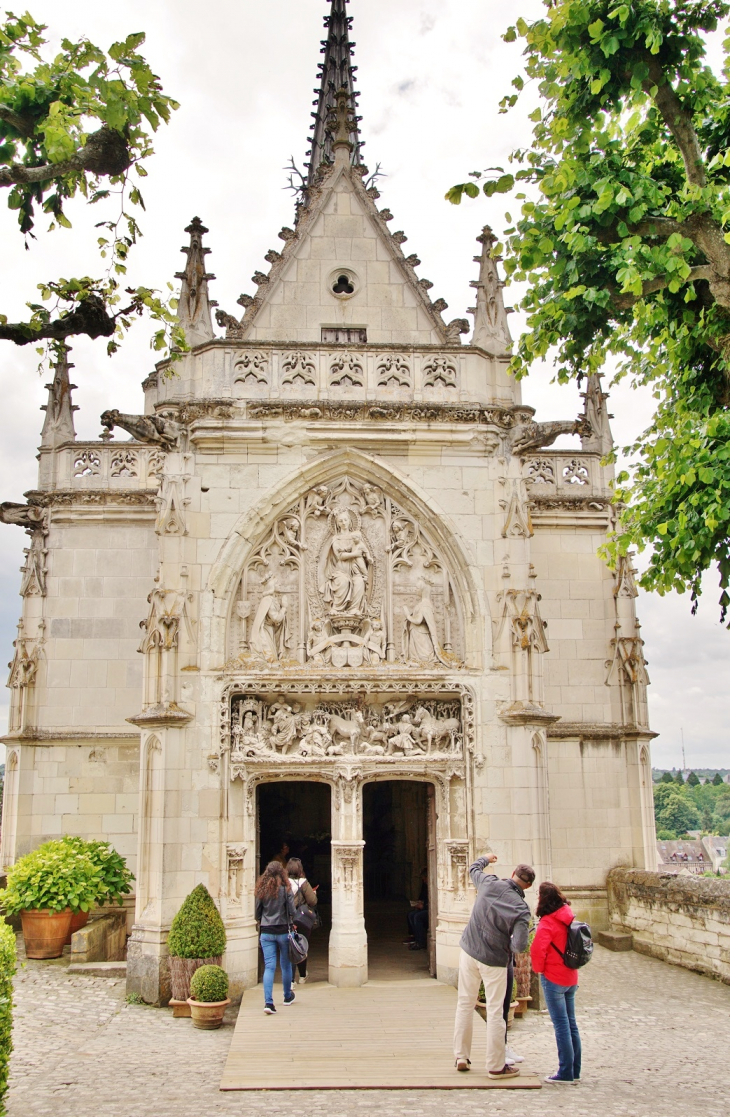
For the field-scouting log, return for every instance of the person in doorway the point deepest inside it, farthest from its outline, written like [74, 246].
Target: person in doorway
[559, 982]
[305, 901]
[283, 855]
[497, 928]
[418, 917]
[275, 915]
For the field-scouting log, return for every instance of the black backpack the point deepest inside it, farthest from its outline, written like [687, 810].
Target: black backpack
[579, 947]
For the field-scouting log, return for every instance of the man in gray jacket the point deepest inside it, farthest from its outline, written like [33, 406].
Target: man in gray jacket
[498, 927]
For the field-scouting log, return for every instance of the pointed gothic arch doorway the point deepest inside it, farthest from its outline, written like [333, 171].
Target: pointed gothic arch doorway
[399, 871]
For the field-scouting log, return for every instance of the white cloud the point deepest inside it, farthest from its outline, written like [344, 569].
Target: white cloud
[431, 74]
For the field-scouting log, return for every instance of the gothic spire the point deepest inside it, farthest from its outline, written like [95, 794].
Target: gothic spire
[336, 74]
[194, 305]
[596, 413]
[58, 425]
[491, 331]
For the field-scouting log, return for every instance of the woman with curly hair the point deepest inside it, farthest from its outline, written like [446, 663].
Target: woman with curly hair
[275, 913]
[559, 982]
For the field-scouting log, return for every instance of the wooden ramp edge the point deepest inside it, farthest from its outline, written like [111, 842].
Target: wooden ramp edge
[391, 1036]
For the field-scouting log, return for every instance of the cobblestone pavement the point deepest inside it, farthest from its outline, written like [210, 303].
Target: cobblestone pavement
[654, 1042]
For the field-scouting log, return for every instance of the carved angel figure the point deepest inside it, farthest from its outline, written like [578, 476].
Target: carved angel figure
[344, 568]
[420, 637]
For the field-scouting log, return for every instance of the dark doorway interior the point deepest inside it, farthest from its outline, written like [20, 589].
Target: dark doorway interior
[299, 814]
[395, 829]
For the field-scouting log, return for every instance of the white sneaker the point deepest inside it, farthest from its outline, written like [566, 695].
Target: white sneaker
[510, 1058]
[301, 979]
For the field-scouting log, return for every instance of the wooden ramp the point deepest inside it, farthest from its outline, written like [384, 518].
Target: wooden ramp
[387, 1035]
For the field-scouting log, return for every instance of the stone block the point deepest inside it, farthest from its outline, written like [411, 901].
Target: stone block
[103, 939]
[615, 940]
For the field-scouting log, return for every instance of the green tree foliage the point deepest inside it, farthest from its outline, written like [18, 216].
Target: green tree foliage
[79, 123]
[624, 241]
[674, 810]
[7, 969]
[722, 810]
[717, 780]
[678, 777]
[197, 930]
[667, 777]
[693, 780]
[209, 984]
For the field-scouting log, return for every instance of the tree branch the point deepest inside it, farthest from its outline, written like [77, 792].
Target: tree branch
[679, 122]
[651, 227]
[90, 317]
[104, 153]
[25, 125]
[624, 301]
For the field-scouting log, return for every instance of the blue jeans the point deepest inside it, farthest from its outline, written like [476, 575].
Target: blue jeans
[560, 1001]
[271, 944]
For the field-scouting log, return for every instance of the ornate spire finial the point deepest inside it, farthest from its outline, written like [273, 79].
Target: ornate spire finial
[58, 425]
[336, 79]
[595, 411]
[194, 305]
[491, 331]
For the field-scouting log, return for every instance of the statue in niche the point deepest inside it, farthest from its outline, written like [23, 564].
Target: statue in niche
[420, 638]
[285, 726]
[375, 643]
[319, 649]
[344, 567]
[270, 630]
[373, 498]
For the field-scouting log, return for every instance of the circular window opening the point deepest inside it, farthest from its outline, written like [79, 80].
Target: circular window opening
[343, 283]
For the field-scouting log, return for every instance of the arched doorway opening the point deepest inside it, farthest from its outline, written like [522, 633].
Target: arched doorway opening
[297, 814]
[399, 869]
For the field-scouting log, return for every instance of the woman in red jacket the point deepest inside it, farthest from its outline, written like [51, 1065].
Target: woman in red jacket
[559, 983]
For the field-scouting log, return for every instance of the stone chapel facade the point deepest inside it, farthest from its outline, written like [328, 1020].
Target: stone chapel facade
[353, 557]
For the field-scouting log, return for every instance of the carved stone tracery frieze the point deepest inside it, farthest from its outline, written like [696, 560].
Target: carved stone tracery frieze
[346, 579]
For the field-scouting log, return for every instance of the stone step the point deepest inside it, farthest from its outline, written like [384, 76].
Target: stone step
[615, 940]
[99, 969]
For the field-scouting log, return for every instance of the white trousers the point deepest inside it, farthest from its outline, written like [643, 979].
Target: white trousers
[471, 973]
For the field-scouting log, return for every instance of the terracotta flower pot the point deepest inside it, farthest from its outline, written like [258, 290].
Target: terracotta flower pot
[45, 932]
[180, 1009]
[511, 1014]
[208, 1014]
[79, 919]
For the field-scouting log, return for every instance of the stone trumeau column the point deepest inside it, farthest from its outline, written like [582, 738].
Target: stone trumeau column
[348, 941]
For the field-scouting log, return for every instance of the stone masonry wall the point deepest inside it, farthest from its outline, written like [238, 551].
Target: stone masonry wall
[682, 920]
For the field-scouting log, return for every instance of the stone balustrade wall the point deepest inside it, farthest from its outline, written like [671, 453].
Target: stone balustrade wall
[680, 919]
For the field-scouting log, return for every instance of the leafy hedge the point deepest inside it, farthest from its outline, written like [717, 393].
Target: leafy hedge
[116, 878]
[53, 877]
[197, 930]
[209, 984]
[7, 969]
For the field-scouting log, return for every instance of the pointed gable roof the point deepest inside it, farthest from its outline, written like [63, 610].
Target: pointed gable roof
[341, 232]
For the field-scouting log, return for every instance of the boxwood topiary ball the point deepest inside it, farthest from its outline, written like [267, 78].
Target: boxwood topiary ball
[197, 930]
[209, 984]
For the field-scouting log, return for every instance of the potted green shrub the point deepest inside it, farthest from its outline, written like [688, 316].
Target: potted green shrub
[481, 1006]
[114, 882]
[208, 997]
[45, 888]
[7, 969]
[197, 938]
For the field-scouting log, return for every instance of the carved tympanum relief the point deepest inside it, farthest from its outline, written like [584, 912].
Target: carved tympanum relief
[308, 727]
[347, 579]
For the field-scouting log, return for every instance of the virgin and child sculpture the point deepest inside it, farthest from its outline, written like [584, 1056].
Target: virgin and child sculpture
[344, 568]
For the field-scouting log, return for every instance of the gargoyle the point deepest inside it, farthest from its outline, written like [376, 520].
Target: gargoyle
[456, 327]
[24, 515]
[228, 323]
[145, 428]
[533, 436]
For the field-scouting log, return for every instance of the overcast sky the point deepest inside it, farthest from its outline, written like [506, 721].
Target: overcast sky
[431, 74]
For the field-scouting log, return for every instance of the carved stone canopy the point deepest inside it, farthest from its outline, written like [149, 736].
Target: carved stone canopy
[346, 578]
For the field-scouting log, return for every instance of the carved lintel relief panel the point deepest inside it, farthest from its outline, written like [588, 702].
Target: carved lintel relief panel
[346, 579]
[323, 727]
